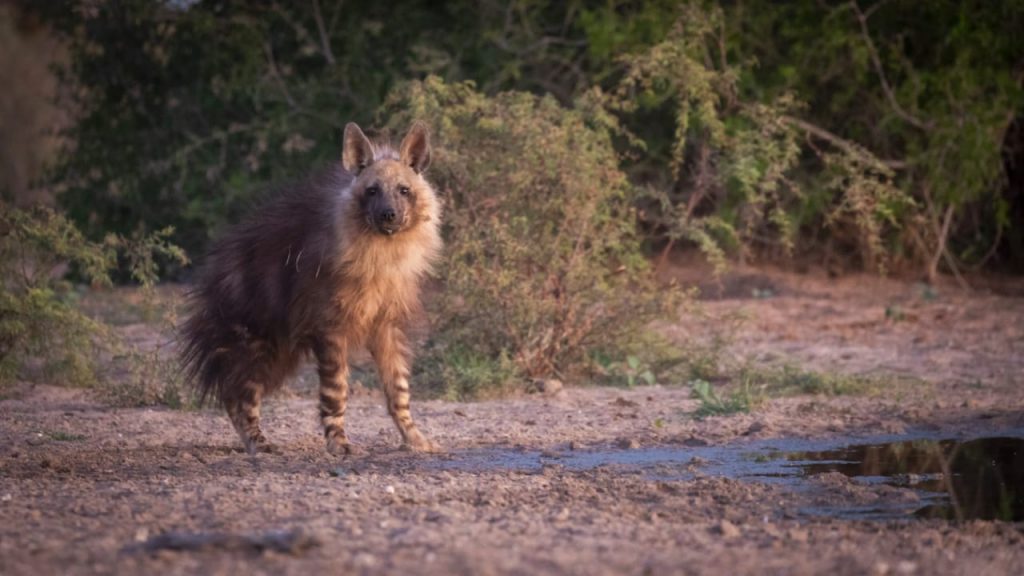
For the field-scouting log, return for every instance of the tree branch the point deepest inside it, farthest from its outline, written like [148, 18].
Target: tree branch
[276, 74]
[325, 40]
[842, 143]
[862, 19]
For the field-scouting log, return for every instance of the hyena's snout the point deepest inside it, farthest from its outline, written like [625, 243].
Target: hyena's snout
[387, 218]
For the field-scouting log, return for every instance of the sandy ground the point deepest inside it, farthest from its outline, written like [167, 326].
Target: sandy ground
[87, 489]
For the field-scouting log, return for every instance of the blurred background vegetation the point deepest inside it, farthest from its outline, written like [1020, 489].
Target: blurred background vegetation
[885, 135]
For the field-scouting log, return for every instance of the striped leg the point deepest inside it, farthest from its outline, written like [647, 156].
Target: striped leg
[244, 411]
[391, 353]
[332, 361]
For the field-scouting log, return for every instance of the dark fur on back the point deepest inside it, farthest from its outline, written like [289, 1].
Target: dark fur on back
[263, 292]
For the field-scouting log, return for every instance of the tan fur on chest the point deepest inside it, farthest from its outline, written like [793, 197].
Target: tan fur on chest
[381, 277]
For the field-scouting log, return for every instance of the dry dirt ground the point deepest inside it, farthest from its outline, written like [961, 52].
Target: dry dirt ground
[89, 489]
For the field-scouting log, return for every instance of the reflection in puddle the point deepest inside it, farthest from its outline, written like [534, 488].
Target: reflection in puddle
[979, 478]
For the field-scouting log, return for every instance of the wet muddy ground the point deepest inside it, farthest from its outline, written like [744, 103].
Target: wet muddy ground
[906, 480]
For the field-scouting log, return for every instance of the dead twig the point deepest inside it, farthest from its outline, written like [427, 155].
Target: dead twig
[325, 40]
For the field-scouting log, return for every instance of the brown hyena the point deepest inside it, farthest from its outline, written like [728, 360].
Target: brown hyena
[331, 264]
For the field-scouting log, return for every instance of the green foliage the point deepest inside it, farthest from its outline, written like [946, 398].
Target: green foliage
[711, 404]
[636, 372]
[36, 319]
[734, 182]
[40, 325]
[754, 386]
[629, 372]
[465, 374]
[185, 113]
[934, 86]
[767, 128]
[543, 263]
[789, 380]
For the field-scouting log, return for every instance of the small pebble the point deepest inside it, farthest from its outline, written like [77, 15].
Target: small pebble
[728, 529]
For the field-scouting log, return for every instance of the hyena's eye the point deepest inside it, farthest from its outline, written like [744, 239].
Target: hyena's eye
[403, 190]
[372, 191]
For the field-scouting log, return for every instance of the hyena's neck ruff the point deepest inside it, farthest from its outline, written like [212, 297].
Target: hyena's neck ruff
[331, 266]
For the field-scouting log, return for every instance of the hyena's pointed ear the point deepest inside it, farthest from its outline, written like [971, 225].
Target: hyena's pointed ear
[415, 151]
[356, 152]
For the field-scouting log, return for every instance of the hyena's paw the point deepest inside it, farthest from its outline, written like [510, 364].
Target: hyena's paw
[419, 443]
[258, 443]
[340, 446]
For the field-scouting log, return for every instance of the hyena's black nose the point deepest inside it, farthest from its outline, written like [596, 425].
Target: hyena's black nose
[388, 215]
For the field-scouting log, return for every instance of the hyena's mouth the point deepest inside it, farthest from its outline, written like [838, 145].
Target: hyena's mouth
[388, 229]
[383, 226]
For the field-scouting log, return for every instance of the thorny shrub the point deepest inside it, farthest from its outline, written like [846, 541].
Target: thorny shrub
[734, 158]
[40, 325]
[543, 264]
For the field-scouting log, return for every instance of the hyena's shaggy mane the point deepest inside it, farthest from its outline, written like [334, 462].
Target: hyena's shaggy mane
[303, 265]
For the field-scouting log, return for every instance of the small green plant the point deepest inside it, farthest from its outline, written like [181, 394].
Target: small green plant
[150, 375]
[635, 372]
[895, 313]
[459, 373]
[630, 372]
[711, 404]
[789, 380]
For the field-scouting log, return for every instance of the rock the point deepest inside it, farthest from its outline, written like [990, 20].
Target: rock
[798, 535]
[546, 386]
[627, 443]
[728, 530]
[754, 428]
[906, 567]
[365, 560]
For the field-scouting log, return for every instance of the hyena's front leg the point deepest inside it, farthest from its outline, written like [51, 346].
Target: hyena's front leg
[391, 353]
[244, 410]
[332, 365]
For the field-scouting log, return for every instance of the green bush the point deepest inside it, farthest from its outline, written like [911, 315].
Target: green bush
[40, 324]
[880, 131]
[736, 182]
[543, 263]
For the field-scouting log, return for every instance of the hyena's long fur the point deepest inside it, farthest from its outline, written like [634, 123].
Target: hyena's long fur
[332, 264]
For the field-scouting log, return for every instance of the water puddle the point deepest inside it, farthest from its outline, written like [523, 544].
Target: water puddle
[980, 478]
[950, 478]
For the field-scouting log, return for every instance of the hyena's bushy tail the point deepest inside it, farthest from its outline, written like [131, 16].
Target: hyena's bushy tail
[218, 363]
